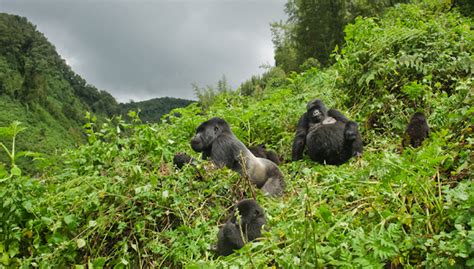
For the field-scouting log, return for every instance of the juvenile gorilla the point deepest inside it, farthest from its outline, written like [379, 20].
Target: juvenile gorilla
[261, 152]
[234, 234]
[417, 131]
[181, 159]
[215, 139]
[330, 137]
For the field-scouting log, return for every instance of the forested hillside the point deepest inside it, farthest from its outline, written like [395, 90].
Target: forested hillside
[152, 110]
[39, 89]
[119, 202]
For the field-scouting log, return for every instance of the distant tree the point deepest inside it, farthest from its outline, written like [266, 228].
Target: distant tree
[206, 95]
[222, 85]
[315, 27]
[274, 77]
[466, 7]
[285, 47]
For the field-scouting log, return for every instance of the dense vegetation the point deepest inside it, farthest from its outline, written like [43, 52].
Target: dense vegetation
[316, 27]
[117, 201]
[152, 110]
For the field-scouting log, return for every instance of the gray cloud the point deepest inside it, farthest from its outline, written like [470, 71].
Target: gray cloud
[144, 49]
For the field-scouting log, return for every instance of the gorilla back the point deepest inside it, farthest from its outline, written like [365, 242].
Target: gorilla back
[327, 145]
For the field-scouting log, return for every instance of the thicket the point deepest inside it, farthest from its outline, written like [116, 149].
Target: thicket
[118, 201]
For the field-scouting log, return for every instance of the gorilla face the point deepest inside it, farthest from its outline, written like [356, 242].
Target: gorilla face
[207, 132]
[316, 111]
[418, 118]
[317, 116]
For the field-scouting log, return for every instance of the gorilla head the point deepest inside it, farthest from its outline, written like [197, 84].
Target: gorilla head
[207, 132]
[316, 111]
[261, 151]
[351, 131]
[352, 140]
[181, 159]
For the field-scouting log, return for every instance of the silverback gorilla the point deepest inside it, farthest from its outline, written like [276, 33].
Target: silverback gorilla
[215, 139]
[417, 131]
[330, 137]
[234, 234]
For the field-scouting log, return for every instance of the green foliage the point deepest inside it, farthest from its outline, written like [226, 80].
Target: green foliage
[274, 77]
[315, 28]
[11, 132]
[118, 201]
[15, 193]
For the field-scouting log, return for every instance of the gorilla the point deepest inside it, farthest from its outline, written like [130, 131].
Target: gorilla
[417, 130]
[215, 140]
[331, 138]
[234, 234]
[261, 151]
[181, 159]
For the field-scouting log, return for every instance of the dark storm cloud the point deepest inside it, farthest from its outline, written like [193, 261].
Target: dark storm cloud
[144, 49]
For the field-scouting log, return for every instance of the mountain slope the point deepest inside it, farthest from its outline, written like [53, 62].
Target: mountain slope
[152, 110]
[39, 89]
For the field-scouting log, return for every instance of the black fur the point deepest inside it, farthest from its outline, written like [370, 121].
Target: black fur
[215, 140]
[299, 142]
[352, 139]
[417, 130]
[261, 152]
[330, 137]
[181, 159]
[234, 234]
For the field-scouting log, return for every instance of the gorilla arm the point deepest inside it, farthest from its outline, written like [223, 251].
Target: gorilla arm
[299, 141]
[336, 114]
[229, 239]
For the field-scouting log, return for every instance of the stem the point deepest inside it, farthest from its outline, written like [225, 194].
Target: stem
[246, 176]
[12, 156]
[6, 150]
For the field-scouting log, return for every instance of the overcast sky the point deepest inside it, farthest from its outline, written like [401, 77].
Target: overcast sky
[145, 49]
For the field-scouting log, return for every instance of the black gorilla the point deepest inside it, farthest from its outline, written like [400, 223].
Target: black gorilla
[417, 130]
[234, 234]
[215, 139]
[330, 137]
[261, 152]
[181, 159]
